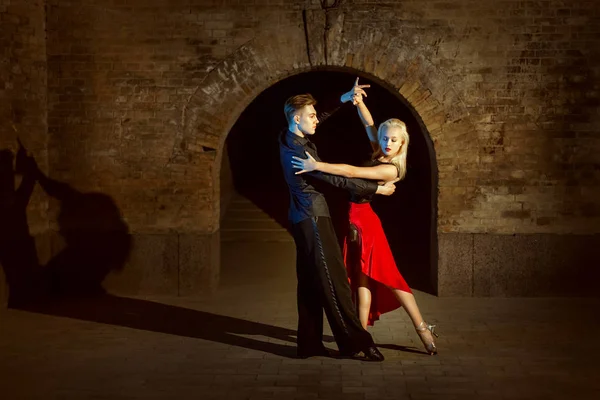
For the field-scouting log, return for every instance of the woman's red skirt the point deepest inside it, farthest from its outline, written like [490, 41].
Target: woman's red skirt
[374, 258]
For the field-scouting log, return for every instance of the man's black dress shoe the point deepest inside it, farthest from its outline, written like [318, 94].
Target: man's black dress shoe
[371, 353]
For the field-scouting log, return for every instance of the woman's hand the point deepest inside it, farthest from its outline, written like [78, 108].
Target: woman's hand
[356, 89]
[305, 165]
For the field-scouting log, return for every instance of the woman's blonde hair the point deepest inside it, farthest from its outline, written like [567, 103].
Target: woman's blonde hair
[399, 160]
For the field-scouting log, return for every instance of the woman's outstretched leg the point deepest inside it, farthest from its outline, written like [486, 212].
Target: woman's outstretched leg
[407, 300]
[425, 331]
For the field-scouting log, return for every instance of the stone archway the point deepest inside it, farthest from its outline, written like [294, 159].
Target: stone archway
[251, 172]
[400, 66]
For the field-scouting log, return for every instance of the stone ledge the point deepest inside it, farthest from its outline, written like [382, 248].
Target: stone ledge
[169, 264]
[486, 265]
[158, 264]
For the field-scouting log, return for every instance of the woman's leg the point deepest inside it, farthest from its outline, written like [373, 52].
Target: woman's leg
[364, 299]
[407, 300]
[425, 331]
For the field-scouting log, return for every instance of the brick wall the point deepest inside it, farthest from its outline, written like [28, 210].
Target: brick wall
[23, 88]
[226, 184]
[122, 75]
[23, 94]
[142, 94]
[528, 75]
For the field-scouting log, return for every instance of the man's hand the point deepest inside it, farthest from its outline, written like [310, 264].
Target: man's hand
[388, 188]
[357, 89]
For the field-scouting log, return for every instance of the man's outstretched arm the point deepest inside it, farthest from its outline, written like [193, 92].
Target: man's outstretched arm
[330, 105]
[360, 187]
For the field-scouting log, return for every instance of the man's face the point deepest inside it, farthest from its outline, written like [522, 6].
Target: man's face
[306, 119]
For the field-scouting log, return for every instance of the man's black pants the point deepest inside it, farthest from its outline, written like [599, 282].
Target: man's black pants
[323, 285]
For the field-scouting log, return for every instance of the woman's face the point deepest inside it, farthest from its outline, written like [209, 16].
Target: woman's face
[391, 141]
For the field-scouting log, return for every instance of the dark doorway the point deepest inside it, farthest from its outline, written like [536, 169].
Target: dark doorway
[408, 217]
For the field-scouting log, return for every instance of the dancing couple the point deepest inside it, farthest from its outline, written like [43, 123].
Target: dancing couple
[323, 281]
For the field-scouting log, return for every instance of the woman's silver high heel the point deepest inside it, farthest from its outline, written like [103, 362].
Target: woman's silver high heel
[428, 342]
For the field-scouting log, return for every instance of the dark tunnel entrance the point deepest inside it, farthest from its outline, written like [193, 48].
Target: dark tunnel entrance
[251, 166]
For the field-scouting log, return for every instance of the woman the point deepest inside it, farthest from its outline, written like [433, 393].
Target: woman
[373, 272]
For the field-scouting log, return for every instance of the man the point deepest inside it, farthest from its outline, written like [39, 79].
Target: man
[322, 278]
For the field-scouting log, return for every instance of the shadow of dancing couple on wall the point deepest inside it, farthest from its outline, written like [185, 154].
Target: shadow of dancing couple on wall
[97, 241]
[95, 236]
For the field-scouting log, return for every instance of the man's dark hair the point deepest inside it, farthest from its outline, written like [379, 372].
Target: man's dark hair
[295, 103]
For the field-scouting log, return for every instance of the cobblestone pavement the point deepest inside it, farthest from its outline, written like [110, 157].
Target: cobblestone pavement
[239, 344]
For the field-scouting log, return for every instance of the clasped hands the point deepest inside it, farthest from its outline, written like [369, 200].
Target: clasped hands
[355, 94]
